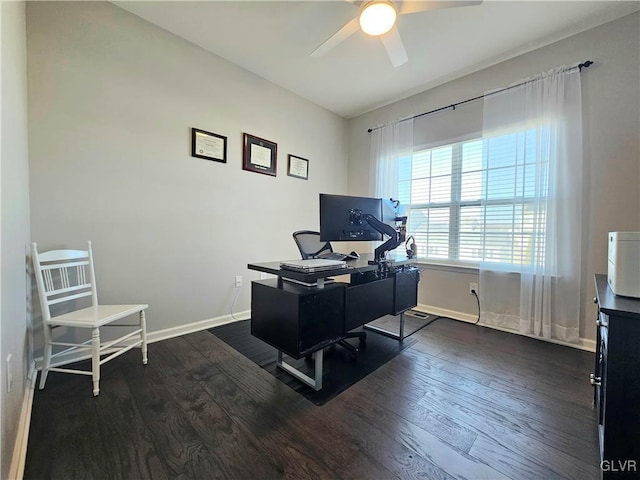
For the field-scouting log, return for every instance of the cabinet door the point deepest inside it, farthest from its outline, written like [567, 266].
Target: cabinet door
[619, 415]
[601, 383]
[406, 289]
[596, 368]
[294, 319]
[368, 301]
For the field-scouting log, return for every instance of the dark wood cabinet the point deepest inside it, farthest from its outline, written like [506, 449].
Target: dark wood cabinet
[295, 319]
[617, 382]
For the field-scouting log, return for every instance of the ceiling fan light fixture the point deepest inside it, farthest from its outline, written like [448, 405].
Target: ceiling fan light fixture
[377, 18]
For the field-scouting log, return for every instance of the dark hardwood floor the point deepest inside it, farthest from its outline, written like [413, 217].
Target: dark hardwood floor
[462, 402]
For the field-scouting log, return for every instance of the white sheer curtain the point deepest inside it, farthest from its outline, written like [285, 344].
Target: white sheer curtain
[389, 143]
[542, 296]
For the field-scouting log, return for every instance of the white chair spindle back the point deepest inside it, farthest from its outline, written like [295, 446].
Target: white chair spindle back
[65, 276]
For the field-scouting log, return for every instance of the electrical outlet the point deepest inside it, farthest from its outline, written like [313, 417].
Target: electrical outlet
[238, 281]
[473, 289]
[9, 372]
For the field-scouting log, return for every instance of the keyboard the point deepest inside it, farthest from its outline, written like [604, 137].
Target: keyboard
[332, 256]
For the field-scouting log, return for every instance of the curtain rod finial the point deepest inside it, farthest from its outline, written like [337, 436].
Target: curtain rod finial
[586, 64]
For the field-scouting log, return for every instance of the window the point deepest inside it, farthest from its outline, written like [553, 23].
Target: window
[481, 200]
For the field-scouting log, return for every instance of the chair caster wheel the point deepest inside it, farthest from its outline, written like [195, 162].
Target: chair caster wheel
[353, 356]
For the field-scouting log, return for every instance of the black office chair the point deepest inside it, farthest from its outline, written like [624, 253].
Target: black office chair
[310, 246]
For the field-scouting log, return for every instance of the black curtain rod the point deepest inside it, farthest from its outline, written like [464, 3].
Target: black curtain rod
[453, 106]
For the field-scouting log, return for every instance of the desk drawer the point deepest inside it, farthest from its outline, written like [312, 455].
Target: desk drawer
[295, 319]
[368, 301]
[406, 289]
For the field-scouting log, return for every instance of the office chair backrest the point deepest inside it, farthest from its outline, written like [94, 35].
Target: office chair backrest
[63, 276]
[309, 243]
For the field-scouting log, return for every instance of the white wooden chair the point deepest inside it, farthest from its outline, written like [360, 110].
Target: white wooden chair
[64, 276]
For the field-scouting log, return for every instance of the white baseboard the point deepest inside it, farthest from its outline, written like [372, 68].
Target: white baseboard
[583, 343]
[16, 470]
[443, 312]
[158, 335]
[196, 326]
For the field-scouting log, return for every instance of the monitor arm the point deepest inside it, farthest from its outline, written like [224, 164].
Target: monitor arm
[396, 237]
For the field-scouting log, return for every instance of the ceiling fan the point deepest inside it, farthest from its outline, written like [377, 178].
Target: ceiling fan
[378, 19]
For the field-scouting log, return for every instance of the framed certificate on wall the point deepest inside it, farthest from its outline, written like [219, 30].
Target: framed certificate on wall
[259, 155]
[209, 146]
[298, 167]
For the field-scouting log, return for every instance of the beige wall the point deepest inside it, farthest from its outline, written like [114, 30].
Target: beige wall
[112, 100]
[611, 109]
[14, 223]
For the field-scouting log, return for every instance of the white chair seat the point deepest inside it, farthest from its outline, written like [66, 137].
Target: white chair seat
[97, 316]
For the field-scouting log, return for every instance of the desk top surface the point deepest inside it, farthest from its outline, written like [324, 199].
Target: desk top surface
[613, 304]
[360, 265]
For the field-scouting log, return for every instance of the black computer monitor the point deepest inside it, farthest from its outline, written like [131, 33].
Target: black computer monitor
[342, 218]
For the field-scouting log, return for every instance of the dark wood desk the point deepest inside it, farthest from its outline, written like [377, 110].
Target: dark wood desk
[300, 319]
[358, 266]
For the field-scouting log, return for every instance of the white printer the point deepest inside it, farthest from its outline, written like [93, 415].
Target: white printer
[624, 263]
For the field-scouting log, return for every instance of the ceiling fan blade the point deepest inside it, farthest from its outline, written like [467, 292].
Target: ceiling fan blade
[394, 46]
[413, 6]
[341, 35]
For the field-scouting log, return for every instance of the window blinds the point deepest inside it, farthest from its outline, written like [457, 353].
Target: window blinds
[471, 201]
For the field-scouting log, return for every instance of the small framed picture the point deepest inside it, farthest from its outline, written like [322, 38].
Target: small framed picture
[298, 167]
[209, 146]
[259, 155]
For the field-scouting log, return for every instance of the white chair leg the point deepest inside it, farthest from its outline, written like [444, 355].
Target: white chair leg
[95, 360]
[46, 363]
[143, 334]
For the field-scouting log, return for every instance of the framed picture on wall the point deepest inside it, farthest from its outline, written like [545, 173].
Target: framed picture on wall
[259, 155]
[298, 167]
[209, 146]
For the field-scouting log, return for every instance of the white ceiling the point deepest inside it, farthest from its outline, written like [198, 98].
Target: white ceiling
[273, 39]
